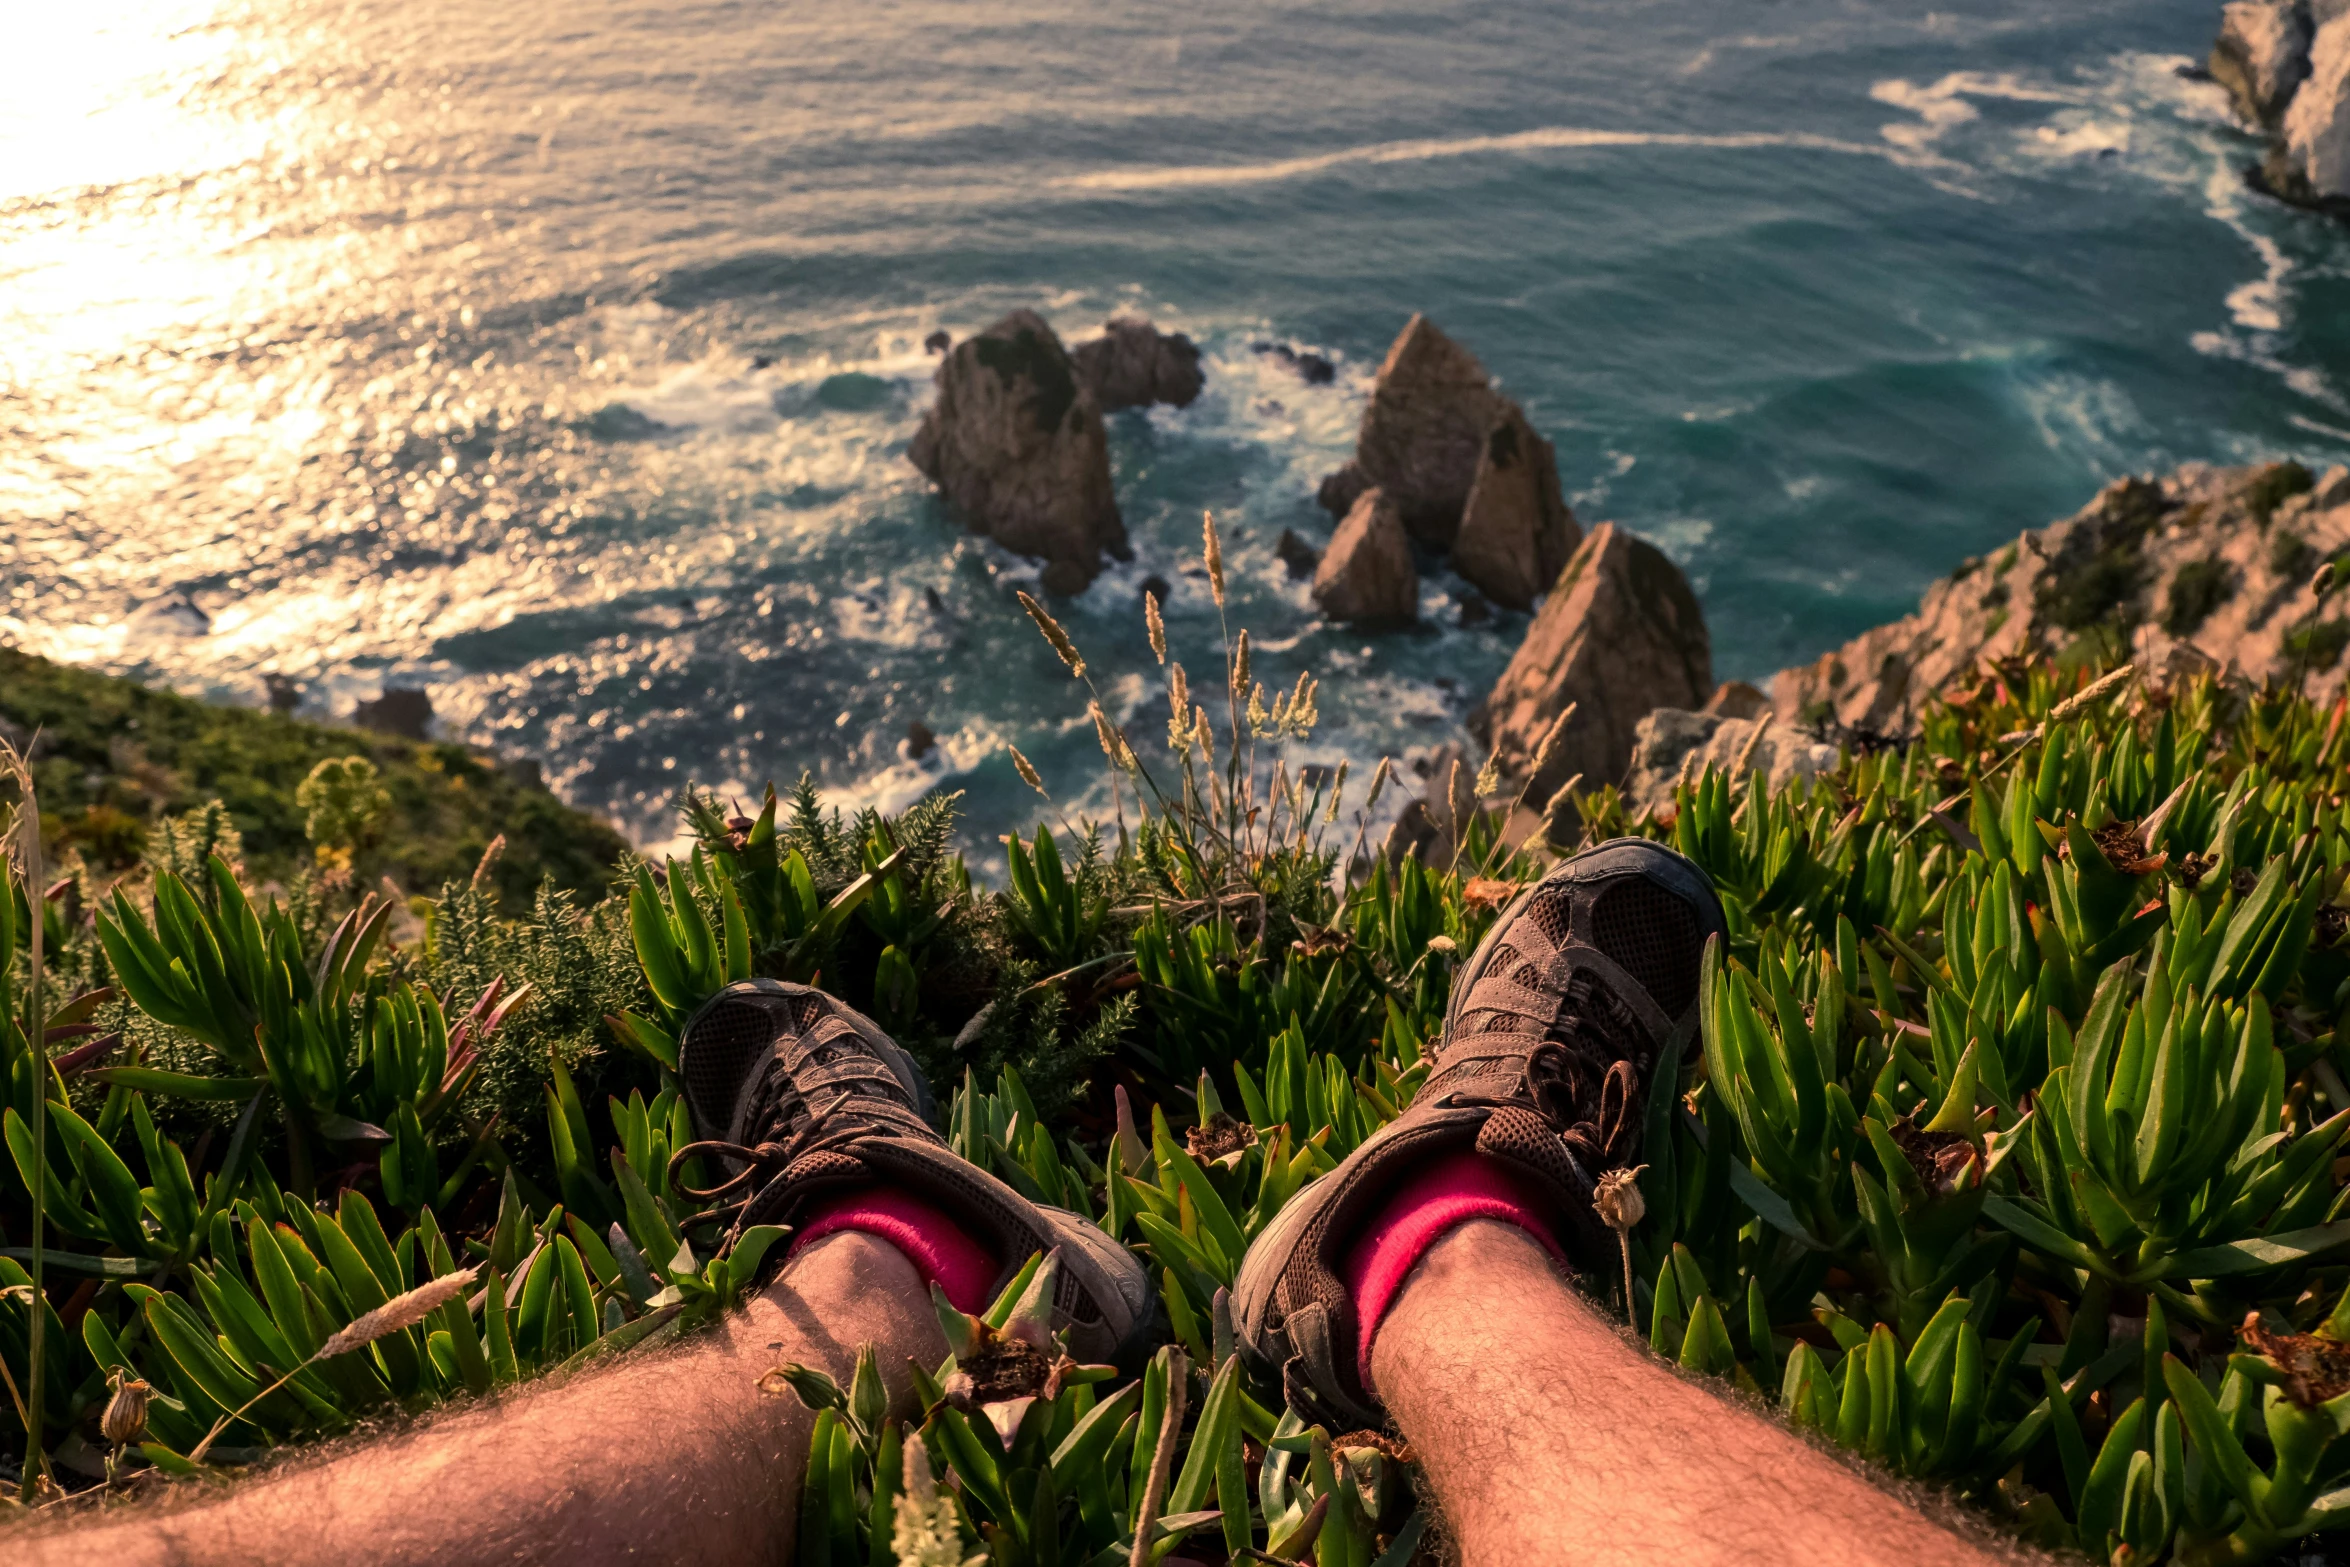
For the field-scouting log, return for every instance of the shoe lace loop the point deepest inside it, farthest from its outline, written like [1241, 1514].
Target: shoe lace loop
[763, 1161]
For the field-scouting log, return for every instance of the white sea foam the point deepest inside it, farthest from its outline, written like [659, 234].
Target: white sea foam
[1548, 138]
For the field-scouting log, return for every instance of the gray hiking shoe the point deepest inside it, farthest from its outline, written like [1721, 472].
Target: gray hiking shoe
[1581, 988]
[800, 1095]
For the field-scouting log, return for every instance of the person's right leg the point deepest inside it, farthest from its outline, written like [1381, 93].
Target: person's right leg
[1548, 1437]
[1421, 1280]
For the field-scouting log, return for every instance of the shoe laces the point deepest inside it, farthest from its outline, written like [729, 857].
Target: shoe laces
[842, 1118]
[1566, 1074]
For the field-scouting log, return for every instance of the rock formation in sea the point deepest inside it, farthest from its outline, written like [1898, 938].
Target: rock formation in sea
[1015, 443]
[2206, 567]
[1516, 531]
[1366, 576]
[2286, 66]
[405, 711]
[1134, 365]
[1461, 465]
[1619, 636]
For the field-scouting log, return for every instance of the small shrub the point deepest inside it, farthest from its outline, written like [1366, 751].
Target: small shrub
[2317, 644]
[2198, 588]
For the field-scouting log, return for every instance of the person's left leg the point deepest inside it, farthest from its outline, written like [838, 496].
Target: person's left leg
[675, 1457]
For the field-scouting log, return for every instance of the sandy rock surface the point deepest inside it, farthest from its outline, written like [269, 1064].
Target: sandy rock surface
[2206, 566]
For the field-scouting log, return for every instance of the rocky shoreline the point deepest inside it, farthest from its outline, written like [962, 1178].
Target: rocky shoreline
[2208, 568]
[2286, 67]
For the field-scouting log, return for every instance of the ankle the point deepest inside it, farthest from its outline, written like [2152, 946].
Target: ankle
[1456, 1190]
[940, 1251]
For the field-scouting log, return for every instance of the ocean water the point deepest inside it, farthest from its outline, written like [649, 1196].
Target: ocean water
[561, 359]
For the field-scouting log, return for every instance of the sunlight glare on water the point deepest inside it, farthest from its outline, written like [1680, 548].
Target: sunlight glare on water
[561, 359]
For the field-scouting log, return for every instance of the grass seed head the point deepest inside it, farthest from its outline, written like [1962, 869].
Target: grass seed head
[1559, 813]
[1260, 718]
[1157, 626]
[1027, 771]
[1379, 776]
[1552, 739]
[1240, 663]
[1113, 743]
[1337, 792]
[401, 1311]
[1055, 635]
[1213, 548]
[1178, 708]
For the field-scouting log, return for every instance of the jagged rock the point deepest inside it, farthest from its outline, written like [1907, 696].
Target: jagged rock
[2261, 55]
[1341, 488]
[1133, 365]
[2311, 161]
[920, 740]
[1619, 636]
[401, 710]
[1671, 744]
[1015, 443]
[2205, 566]
[1424, 430]
[174, 614]
[285, 693]
[1313, 369]
[1366, 577]
[1737, 699]
[524, 773]
[938, 342]
[1299, 554]
[1516, 531]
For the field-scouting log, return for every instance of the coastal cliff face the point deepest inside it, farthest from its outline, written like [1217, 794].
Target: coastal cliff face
[2207, 567]
[2286, 66]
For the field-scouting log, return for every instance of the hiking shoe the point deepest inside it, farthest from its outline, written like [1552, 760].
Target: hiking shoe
[1583, 986]
[800, 1096]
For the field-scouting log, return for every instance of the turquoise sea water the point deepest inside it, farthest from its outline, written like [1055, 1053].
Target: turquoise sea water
[332, 333]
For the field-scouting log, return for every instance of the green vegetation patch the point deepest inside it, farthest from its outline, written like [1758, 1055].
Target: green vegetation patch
[2198, 588]
[2008, 1158]
[2273, 486]
[114, 756]
[2318, 644]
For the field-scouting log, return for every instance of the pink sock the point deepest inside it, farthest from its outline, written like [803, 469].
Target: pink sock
[932, 1242]
[1449, 1191]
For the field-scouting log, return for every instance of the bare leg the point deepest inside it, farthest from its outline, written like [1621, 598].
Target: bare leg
[672, 1458]
[1548, 1438]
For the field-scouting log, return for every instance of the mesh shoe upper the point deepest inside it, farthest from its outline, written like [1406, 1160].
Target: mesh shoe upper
[799, 1094]
[1557, 1023]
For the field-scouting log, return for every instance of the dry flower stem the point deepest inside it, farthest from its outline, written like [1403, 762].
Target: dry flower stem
[1620, 1208]
[1154, 1491]
[28, 858]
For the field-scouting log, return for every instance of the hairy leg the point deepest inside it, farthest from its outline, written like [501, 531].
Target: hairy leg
[1549, 1438]
[673, 1458]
